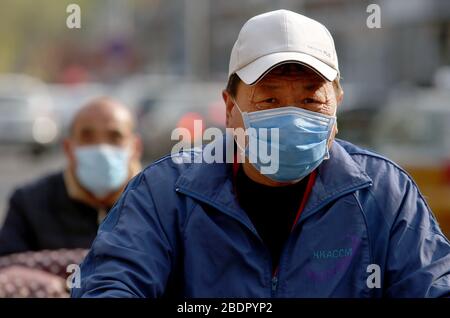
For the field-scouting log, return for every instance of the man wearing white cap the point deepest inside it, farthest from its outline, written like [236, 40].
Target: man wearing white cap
[332, 220]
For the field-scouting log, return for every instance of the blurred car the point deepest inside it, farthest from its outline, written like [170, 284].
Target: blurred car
[139, 91]
[414, 131]
[163, 103]
[27, 113]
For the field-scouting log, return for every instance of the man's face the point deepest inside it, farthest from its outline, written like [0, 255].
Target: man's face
[111, 128]
[286, 85]
[103, 124]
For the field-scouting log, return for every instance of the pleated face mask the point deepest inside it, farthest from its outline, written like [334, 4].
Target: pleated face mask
[302, 142]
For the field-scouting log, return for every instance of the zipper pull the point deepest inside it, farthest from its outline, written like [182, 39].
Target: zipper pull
[274, 283]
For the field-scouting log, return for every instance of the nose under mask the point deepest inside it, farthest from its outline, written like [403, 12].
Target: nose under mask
[101, 169]
[302, 142]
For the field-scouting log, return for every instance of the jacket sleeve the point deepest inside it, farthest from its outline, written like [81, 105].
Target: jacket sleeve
[418, 263]
[15, 233]
[131, 255]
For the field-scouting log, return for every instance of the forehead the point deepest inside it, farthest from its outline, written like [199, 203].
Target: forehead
[102, 119]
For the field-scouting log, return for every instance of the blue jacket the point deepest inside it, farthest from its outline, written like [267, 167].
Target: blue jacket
[178, 230]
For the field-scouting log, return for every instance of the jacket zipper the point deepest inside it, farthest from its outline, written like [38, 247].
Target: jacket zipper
[275, 276]
[274, 285]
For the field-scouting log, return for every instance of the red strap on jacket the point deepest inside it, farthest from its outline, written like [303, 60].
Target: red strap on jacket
[308, 189]
[306, 194]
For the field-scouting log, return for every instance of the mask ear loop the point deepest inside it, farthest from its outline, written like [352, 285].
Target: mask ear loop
[244, 120]
[331, 125]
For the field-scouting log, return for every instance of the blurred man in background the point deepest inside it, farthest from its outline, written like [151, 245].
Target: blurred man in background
[63, 210]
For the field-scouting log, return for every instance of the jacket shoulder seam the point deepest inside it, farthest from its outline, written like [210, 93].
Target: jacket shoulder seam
[405, 173]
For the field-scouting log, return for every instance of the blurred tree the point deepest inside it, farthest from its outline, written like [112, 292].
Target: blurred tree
[28, 29]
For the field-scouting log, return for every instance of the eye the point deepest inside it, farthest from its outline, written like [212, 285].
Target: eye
[270, 100]
[309, 101]
[266, 103]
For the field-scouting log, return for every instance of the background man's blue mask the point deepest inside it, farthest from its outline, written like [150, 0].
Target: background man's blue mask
[101, 169]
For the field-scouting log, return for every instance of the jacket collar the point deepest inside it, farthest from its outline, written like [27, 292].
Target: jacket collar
[212, 183]
[336, 177]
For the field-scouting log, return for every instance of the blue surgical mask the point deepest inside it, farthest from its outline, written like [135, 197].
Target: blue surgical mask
[101, 169]
[302, 140]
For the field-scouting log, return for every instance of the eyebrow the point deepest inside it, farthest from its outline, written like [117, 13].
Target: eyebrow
[116, 131]
[88, 129]
[313, 85]
[270, 85]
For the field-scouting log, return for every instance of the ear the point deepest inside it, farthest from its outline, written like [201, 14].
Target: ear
[228, 104]
[333, 136]
[340, 97]
[69, 151]
[138, 147]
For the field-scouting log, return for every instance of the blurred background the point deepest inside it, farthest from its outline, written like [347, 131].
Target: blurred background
[168, 61]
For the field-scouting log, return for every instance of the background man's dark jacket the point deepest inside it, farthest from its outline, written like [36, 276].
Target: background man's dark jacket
[41, 216]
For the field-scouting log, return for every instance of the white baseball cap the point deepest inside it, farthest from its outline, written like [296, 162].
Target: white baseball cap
[277, 37]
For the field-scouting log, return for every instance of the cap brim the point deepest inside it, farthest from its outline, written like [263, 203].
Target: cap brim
[254, 71]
